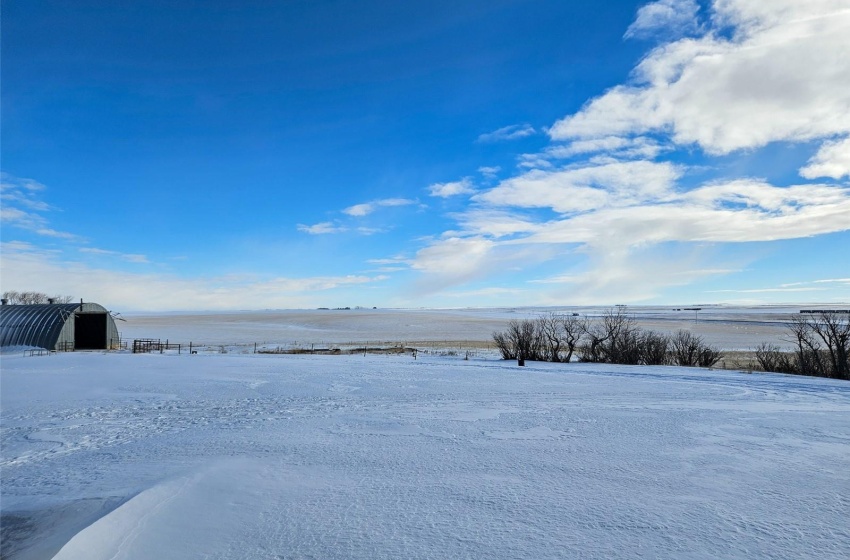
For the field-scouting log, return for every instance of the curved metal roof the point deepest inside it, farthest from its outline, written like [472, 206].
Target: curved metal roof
[38, 326]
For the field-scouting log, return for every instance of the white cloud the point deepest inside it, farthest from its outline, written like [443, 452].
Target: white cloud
[607, 148]
[129, 257]
[462, 258]
[10, 183]
[620, 216]
[769, 290]
[394, 264]
[630, 276]
[489, 172]
[782, 76]
[465, 295]
[673, 17]
[17, 217]
[456, 260]
[27, 266]
[19, 192]
[395, 202]
[25, 199]
[391, 261]
[360, 209]
[584, 188]
[49, 232]
[616, 146]
[511, 132]
[321, 228]
[734, 212]
[831, 160]
[833, 281]
[367, 208]
[370, 231]
[494, 223]
[445, 190]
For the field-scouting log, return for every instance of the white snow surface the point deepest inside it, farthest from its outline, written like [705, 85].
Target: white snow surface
[127, 456]
[728, 327]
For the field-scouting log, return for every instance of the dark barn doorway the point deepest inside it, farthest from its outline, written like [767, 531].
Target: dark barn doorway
[90, 331]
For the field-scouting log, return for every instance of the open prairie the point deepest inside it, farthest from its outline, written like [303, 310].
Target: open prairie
[727, 327]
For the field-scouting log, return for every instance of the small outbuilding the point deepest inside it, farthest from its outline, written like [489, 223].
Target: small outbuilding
[58, 326]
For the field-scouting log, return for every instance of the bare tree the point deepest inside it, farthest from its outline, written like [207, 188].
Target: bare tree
[32, 298]
[822, 345]
[835, 334]
[808, 347]
[595, 337]
[613, 340]
[572, 329]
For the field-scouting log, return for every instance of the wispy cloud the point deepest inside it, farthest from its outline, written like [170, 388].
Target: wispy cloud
[466, 295]
[767, 290]
[35, 268]
[617, 214]
[371, 230]
[672, 18]
[322, 228]
[128, 257]
[618, 147]
[584, 188]
[834, 281]
[367, 208]
[511, 132]
[489, 172]
[445, 190]
[22, 207]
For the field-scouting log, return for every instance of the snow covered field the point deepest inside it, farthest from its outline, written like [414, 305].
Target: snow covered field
[728, 327]
[259, 456]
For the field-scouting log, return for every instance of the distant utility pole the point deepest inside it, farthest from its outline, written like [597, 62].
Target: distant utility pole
[696, 311]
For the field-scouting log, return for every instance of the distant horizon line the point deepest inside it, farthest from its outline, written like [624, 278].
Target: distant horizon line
[679, 307]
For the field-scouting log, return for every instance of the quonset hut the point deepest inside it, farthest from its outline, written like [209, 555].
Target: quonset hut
[58, 326]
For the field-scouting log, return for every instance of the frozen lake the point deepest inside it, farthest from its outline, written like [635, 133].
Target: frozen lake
[259, 456]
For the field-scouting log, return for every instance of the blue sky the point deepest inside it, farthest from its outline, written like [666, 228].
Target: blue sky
[247, 155]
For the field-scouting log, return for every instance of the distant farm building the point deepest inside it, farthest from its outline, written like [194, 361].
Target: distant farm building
[58, 326]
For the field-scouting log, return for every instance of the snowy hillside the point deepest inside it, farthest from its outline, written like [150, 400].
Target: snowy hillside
[256, 456]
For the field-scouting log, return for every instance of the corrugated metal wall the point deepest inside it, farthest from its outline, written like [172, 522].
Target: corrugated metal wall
[50, 326]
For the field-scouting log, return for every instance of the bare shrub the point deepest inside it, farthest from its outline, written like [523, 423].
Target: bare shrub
[613, 339]
[526, 339]
[771, 358]
[654, 348]
[688, 349]
[505, 346]
[708, 356]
